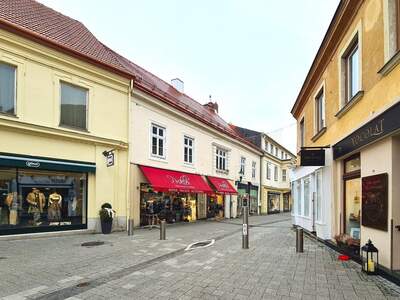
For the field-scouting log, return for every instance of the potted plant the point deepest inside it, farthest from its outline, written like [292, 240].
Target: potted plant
[106, 218]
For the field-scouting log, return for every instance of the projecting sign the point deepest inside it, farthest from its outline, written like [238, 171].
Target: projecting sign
[110, 159]
[312, 157]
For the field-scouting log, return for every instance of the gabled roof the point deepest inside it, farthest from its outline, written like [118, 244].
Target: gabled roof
[36, 21]
[255, 137]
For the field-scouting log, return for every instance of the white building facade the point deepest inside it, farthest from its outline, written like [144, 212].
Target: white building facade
[166, 139]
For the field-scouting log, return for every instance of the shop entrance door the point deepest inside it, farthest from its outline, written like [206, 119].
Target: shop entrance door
[286, 206]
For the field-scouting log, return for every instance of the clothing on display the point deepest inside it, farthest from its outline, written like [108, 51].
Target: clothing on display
[54, 210]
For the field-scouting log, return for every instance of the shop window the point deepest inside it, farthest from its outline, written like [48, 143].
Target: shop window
[319, 195]
[188, 147]
[269, 170]
[158, 141]
[352, 73]
[253, 169]
[276, 173]
[221, 159]
[306, 193]
[242, 165]
[284, 175]
[274, 202]
[352, 194]
[41, 199]
[319, 111]
[7, 88]
[298, 197]
[74, 101]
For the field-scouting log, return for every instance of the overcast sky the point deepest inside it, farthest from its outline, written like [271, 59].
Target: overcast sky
[252, 56]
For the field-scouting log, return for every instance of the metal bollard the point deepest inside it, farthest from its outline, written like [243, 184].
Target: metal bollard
[162, 230]
[299, 240]
[245, 232]
[130, 227]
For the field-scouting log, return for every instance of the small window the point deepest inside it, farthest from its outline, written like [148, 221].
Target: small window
[269, 170]
[266, 146]
[188, 147]
[272, 149]
[242, 165]
[352, 73]
[7, 88]
[276, 151]
[320, 111]
[73, 106]
[253, 169]
[284, 175]
[157, 141]
[286, 156]
[306, 192]
[281, 154]
[221, 159]
[276, 173]
[302, 133]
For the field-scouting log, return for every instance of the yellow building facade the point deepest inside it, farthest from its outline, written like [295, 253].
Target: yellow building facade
[54, 176]
[349, 104]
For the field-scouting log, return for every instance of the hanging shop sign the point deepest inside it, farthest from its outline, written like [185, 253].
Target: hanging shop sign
[381, 126]
[374, 207]
[110, 159]
[312, 157]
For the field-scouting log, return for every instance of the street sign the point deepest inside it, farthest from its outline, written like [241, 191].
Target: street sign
[244, 229]
[110, 159]
[312, 157]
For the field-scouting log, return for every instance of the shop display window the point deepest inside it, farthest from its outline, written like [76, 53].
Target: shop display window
[274, 202]
[35, 199]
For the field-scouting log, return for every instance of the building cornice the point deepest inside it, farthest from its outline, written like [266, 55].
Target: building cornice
[342, 19]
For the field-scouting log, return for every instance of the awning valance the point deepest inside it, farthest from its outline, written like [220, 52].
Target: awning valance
[173, 181]
[222, 185]
[30, 162]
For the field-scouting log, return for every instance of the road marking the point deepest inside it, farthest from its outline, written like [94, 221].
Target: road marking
[69, 279]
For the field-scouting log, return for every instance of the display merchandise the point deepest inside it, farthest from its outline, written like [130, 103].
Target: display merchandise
[38, 198]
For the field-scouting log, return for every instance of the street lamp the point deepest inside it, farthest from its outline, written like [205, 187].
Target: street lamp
[369, 258]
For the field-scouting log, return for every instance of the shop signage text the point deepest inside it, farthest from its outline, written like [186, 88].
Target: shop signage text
[182, 180]
[312, 157]
[32, 164]
[110, 159]
[386, 123]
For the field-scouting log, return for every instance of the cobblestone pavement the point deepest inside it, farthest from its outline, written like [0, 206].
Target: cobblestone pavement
[142, 267]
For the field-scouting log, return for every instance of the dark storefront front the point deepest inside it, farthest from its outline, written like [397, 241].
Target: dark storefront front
[42, 194]
[242, 191]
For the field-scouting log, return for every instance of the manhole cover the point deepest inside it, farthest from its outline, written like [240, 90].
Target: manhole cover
[201, 244]
[82, 284]
[92, 244]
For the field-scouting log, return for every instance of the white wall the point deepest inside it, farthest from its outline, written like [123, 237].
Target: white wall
[145, 111]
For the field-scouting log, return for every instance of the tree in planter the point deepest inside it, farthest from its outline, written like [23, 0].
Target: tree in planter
[106, 218]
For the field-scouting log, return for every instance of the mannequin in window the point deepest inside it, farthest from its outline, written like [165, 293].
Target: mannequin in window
[12, 203]
[36, 201]
[54, 211]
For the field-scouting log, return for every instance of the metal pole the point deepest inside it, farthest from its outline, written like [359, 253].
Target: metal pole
[162, 230]
[299, 240]
[130, 227]
[245, 232]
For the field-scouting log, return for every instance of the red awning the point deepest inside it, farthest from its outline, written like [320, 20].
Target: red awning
[173, 181]
[222, 185]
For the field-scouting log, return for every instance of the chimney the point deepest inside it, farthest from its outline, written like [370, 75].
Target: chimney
[177, 84]
[211, 106]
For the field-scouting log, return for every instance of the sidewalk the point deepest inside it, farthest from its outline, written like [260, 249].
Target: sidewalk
[143, 267]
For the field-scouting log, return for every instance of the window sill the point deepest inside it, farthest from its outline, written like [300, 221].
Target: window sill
[189, 165]
[390, 64]
[318, 134]
[71, 128]
[11, 116]
[159, 159]
[353, 101]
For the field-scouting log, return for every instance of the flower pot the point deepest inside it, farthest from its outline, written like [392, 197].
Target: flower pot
[106, 226]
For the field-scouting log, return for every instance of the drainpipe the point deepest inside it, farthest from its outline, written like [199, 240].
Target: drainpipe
[129, 206]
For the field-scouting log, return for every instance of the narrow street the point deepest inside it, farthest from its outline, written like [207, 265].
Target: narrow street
[143, 267]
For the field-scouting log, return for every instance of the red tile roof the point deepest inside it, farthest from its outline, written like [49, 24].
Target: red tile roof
[45, 25]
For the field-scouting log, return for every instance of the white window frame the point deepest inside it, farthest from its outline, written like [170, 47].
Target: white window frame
[253, 169]
[309, 196]
[158, 137]
[390, 30]
[356, 34]
[284, 175]
[269, 171]
[318, 197]
[188, 147]
[221, 157]
[299, 196]
[242, 169]
[15, 89]
[276, 173]
[320, 93]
